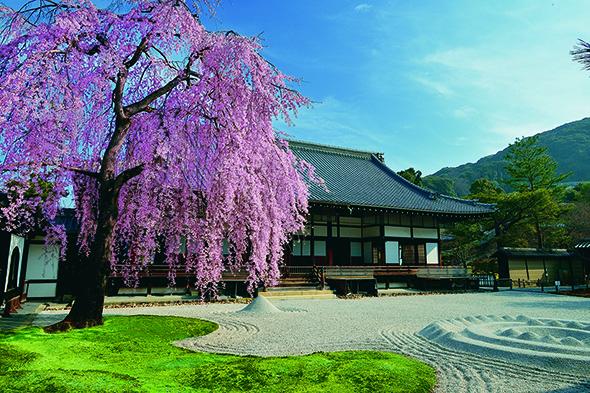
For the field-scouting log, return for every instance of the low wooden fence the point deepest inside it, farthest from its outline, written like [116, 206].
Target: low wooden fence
[442, 272]
[489, 281]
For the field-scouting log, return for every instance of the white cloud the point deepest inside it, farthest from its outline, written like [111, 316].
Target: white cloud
[519, 91]
[494, 71]
[335, 122]
[507, 130]
[338, 123]
[463, 112]
[363, 7]
[435, 86]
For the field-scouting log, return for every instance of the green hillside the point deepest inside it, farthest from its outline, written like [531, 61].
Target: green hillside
[568, 144]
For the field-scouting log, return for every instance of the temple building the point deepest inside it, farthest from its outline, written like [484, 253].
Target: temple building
[367, 227]
[369, 215]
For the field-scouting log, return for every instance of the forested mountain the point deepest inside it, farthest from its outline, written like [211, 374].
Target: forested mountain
[568, 144]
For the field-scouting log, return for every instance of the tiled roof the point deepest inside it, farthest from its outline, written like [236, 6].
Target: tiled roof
[360, 178]
[533, 252]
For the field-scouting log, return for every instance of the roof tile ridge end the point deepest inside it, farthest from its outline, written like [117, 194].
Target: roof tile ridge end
[394, 174]
[301, 144]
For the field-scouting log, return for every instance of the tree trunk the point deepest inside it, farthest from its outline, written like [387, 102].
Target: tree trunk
[540, 242]
[92, 272]
[89, 301]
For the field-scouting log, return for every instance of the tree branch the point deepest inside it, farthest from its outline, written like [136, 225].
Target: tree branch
[581, 54]
[118, 95]
[15, 167]
[163, 55]
[137, 54]
[81, 171]
[143, 104]
[127, 175]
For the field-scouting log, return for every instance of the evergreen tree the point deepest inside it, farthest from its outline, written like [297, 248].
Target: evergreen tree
[530, 167]
[412, 175]
[533, 175]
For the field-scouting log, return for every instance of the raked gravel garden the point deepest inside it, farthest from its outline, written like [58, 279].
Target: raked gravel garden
[478, 342]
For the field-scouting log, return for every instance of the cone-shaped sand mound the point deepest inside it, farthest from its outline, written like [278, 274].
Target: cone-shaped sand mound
[260, 305]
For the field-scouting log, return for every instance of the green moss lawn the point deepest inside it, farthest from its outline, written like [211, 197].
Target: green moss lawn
[134, 354]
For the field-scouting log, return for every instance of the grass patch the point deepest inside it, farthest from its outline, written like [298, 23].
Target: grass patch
[134, 354]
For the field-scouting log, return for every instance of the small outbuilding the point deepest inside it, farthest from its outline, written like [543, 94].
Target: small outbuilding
[531, 266]
[582, 252]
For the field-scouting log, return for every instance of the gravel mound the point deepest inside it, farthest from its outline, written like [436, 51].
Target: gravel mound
[260, 305]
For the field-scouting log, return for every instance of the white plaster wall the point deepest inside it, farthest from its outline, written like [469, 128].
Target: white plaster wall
[15, 241]
[42, 264]
[397, 231]
[425, 233]
[432, 253]
[392, 252]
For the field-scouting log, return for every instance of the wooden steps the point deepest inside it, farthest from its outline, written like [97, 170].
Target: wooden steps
[298, 293]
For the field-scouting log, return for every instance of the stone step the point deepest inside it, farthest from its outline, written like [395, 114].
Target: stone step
[291, 284]
[297, 275]
[281, 288]
[298, 293]
[304, 296]
[295, 297]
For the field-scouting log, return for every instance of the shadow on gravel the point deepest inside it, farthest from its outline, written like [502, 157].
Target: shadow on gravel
[577, 388]
[567, 305]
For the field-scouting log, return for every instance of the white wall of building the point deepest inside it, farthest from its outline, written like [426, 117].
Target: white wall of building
[15, 241]
[392, 252]
[397, 231]
[425, 233]
[42, 264]
[432, 253]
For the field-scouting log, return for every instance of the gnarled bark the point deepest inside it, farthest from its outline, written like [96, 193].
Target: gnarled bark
[88, 305]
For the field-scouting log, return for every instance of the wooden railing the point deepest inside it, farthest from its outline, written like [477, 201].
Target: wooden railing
[442, 272]
[391, 270]
[153, 271]
[318, 273]
[158, 271]
[287, 271]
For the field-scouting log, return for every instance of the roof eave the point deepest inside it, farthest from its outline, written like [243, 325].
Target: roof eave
[402, 210]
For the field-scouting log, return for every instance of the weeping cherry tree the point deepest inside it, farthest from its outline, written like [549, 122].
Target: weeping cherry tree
[160, 130]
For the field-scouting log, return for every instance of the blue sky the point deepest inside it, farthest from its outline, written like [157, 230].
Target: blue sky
[430, 83]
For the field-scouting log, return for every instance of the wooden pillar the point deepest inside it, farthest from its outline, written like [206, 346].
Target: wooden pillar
[572, 274]
[545, 270]
[439, 242]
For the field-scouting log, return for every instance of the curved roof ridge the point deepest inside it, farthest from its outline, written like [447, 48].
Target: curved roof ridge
[429, 193]
[301, 144]
[470, 201]
[403, 179]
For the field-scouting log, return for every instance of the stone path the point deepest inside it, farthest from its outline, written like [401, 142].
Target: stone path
[24, 317]
[391, 324]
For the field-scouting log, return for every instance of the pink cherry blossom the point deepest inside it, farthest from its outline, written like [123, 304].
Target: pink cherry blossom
[170, 122]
